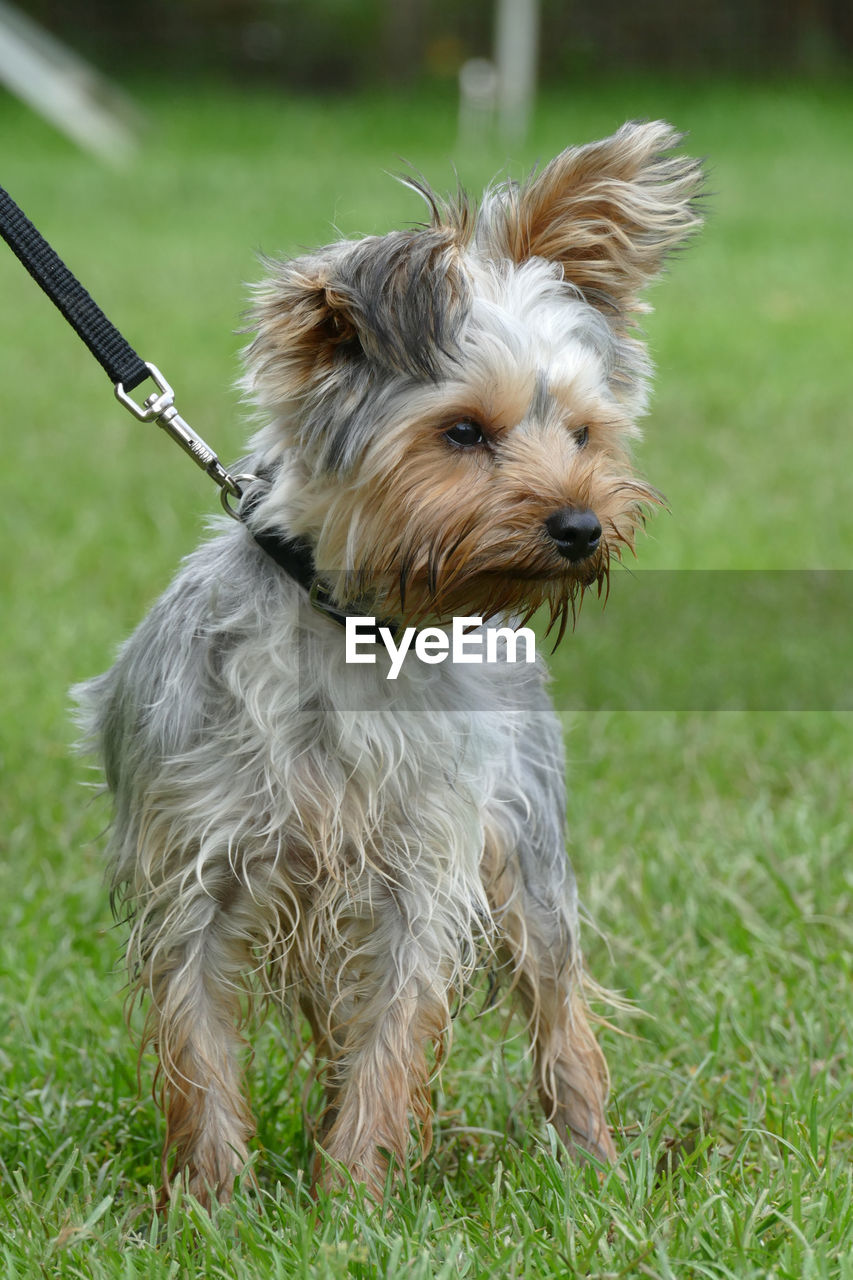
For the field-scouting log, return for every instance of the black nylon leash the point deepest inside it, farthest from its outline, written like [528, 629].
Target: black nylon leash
[127, 370]
[114, 354]
[124, 367]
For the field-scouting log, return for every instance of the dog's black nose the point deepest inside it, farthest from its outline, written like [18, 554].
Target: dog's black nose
[576, 532]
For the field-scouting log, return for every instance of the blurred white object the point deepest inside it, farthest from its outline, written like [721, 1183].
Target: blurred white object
[64, 89]
[516, 54]
[478, 95]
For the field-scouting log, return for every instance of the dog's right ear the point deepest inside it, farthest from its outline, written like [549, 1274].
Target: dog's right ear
[608, 214]
[395, 301]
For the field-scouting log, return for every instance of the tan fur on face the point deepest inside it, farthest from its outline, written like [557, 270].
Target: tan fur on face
[436, 530]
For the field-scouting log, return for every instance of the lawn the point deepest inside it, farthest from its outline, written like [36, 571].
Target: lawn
[712, 846]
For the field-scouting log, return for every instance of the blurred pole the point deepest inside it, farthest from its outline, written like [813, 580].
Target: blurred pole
[478, 91]
[64, 89]
[516, 53]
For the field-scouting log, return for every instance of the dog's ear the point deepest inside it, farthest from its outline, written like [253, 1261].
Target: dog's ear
[404, 296]
[396, 301]
[608, 213]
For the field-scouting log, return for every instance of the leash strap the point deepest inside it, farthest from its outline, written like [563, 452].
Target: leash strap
[112, 351]
[126, 369]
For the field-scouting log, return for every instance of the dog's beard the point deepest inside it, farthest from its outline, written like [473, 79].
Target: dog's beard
[426, 553]
[426, 589]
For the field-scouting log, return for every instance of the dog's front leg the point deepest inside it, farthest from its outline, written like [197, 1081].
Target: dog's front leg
[391, 1009]
[195, 973]
[537, 939]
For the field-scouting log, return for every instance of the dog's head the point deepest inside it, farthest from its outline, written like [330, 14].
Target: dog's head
[451, 407]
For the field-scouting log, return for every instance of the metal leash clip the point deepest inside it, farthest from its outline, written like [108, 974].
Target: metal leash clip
[159, 407]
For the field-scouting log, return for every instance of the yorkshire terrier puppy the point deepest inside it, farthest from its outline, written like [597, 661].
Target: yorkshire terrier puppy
[446, 420]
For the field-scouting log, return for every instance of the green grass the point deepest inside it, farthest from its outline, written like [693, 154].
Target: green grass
[713, 850]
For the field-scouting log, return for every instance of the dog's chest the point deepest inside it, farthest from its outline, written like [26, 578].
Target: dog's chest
[412, 764]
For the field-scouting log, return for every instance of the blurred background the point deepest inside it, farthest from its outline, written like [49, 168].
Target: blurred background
[161, 146]
[340, 45]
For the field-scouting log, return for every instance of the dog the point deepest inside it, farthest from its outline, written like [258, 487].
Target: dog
[446, 418]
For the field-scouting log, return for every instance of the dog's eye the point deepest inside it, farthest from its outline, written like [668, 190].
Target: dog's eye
[581, 436]
[465, 434]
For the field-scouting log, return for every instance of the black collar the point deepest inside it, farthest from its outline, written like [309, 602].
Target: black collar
[296, 558]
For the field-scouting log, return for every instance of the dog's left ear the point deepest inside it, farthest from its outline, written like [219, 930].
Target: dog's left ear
[395, 301]
[608, 213]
